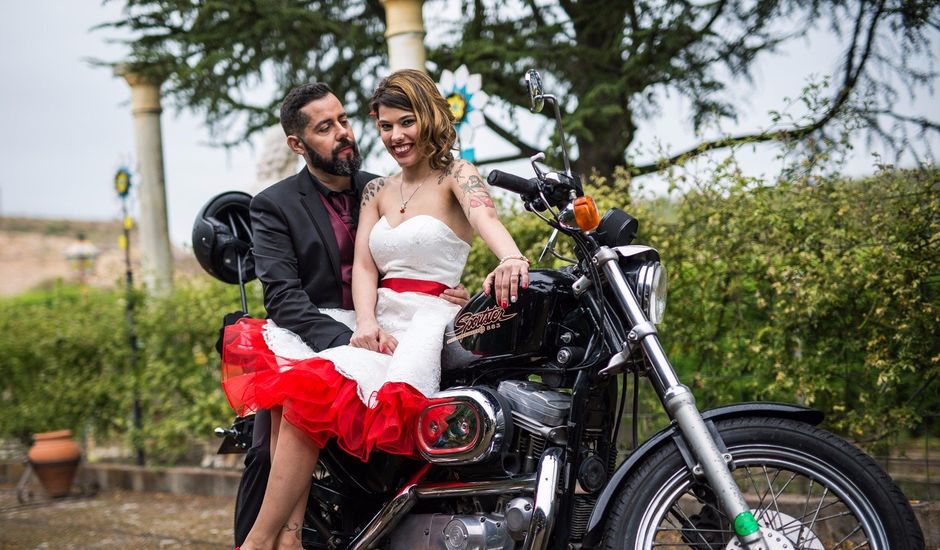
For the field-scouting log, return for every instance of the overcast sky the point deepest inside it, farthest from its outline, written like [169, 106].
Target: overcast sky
[66, 125]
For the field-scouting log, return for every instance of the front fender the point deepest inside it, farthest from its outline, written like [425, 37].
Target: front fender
[597, 523]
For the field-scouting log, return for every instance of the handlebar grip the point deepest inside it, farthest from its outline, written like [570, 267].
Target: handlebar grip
[509, 182]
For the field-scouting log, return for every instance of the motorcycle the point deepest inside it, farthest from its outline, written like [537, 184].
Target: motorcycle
[520, 449]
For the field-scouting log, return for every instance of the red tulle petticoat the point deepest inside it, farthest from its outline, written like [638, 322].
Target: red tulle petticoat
[315, 397]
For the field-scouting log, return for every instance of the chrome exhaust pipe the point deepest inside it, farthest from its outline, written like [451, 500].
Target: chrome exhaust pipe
[543, 516]
[449, 489]
[390, 514]
[406, 497]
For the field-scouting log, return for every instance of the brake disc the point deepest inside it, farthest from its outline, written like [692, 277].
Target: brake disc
[791, 535]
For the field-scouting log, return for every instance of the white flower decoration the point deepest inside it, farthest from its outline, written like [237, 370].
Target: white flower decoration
[466, 99]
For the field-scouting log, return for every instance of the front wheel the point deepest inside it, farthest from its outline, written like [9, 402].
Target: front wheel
[808, 489]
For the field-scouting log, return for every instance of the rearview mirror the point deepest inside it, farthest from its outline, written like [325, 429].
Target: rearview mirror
[534, 82]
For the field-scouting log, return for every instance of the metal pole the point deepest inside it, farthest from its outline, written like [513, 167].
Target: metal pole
[122, 184]
[131, 327]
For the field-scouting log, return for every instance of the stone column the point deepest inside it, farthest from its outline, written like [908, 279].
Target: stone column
[157, 262]
[404, 33]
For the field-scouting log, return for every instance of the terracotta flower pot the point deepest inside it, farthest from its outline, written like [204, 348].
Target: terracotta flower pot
[54, 457]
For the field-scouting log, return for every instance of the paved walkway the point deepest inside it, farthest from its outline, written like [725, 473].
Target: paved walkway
[116, 519]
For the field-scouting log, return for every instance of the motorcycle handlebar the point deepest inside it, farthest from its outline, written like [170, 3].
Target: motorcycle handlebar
[515, 184]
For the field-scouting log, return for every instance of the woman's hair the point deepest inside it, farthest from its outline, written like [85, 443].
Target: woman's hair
[414, 91]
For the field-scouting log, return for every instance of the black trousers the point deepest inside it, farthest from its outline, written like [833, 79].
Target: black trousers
[254, 477]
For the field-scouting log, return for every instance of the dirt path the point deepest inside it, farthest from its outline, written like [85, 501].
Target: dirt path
[127, 520]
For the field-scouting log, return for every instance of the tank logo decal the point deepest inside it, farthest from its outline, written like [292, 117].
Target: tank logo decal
[469, 324]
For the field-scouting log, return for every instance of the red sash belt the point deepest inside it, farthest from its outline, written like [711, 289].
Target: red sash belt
[402, 284]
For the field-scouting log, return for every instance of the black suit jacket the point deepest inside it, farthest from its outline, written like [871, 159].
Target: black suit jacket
[297, 258]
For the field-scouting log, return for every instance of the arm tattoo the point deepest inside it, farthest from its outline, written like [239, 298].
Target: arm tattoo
[449, 171]
[475, 193]
[372, 190]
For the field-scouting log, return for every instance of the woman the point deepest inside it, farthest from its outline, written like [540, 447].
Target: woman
[412, 243]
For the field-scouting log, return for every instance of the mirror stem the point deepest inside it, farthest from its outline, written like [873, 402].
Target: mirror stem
[561, 132]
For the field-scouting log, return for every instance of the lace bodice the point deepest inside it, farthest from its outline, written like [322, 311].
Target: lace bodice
[421, 247]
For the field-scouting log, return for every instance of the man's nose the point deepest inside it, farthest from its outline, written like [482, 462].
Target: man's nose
[342, 132]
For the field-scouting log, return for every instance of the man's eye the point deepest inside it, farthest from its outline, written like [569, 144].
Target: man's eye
[323, 129]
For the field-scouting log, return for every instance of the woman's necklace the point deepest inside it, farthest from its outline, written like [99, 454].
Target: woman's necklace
[401, 191]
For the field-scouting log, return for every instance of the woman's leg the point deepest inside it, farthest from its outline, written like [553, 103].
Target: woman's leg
[292, 465]
[292, 533]
[275, 426]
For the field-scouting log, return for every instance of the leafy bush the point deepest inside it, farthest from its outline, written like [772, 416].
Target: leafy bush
[64, 359]
[67, 363]
[817, 290]
[821, 291]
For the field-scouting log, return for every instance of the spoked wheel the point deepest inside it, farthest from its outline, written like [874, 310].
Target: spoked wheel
[807, 488]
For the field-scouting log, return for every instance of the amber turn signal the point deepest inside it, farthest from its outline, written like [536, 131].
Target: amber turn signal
[585, 213]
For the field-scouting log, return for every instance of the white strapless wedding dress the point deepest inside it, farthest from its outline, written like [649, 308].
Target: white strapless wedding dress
[420, 248]
[421, 252]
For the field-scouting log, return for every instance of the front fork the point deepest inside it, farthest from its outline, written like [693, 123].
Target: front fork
[679, 402]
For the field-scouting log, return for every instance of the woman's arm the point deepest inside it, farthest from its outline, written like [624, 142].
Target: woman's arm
[365, 277]
[513, 268]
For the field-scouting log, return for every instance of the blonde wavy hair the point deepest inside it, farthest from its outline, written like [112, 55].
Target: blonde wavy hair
[414, 91]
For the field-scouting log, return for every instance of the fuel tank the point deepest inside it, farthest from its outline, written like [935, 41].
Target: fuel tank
[483, 335]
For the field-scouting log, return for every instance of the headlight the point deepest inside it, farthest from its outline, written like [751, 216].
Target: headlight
[651, 290]
[462, 426]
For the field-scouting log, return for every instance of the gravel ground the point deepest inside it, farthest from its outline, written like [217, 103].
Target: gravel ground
[116, 519]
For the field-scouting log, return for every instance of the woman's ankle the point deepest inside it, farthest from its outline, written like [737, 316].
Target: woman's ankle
[290, 538]
[257, 543]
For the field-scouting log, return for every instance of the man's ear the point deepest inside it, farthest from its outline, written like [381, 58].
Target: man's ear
[295, 145]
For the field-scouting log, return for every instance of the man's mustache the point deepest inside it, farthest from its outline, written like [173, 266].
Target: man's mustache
[342, 145]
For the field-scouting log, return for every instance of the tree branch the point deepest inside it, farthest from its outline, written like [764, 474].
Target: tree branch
[525, 150]
[536, 13]
[921, 122]
[852, 75]
[634, 19]
[731, 141]
[506, 158]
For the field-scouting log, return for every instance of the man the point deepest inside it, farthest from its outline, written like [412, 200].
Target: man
[303, 235]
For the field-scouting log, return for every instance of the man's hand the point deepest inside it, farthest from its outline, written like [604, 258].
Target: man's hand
[370, 336]
[457, 295]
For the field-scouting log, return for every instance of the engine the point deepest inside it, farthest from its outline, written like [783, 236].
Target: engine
[538, 417]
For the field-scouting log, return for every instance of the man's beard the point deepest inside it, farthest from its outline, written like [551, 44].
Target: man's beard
[335, 165]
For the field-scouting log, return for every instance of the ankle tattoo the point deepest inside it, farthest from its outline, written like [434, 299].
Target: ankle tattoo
[293, 530]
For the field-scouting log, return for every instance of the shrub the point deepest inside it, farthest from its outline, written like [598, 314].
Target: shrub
[67, 363]
[821, 291]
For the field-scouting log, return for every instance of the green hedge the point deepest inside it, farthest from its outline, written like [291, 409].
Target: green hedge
[822, 291]
[67, 363]
[819, 291]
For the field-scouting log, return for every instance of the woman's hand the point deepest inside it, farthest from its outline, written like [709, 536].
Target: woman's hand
[506, 278]
[368, 335]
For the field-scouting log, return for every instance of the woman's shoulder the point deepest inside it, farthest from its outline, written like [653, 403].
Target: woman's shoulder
[374, 187]
[459, 171]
